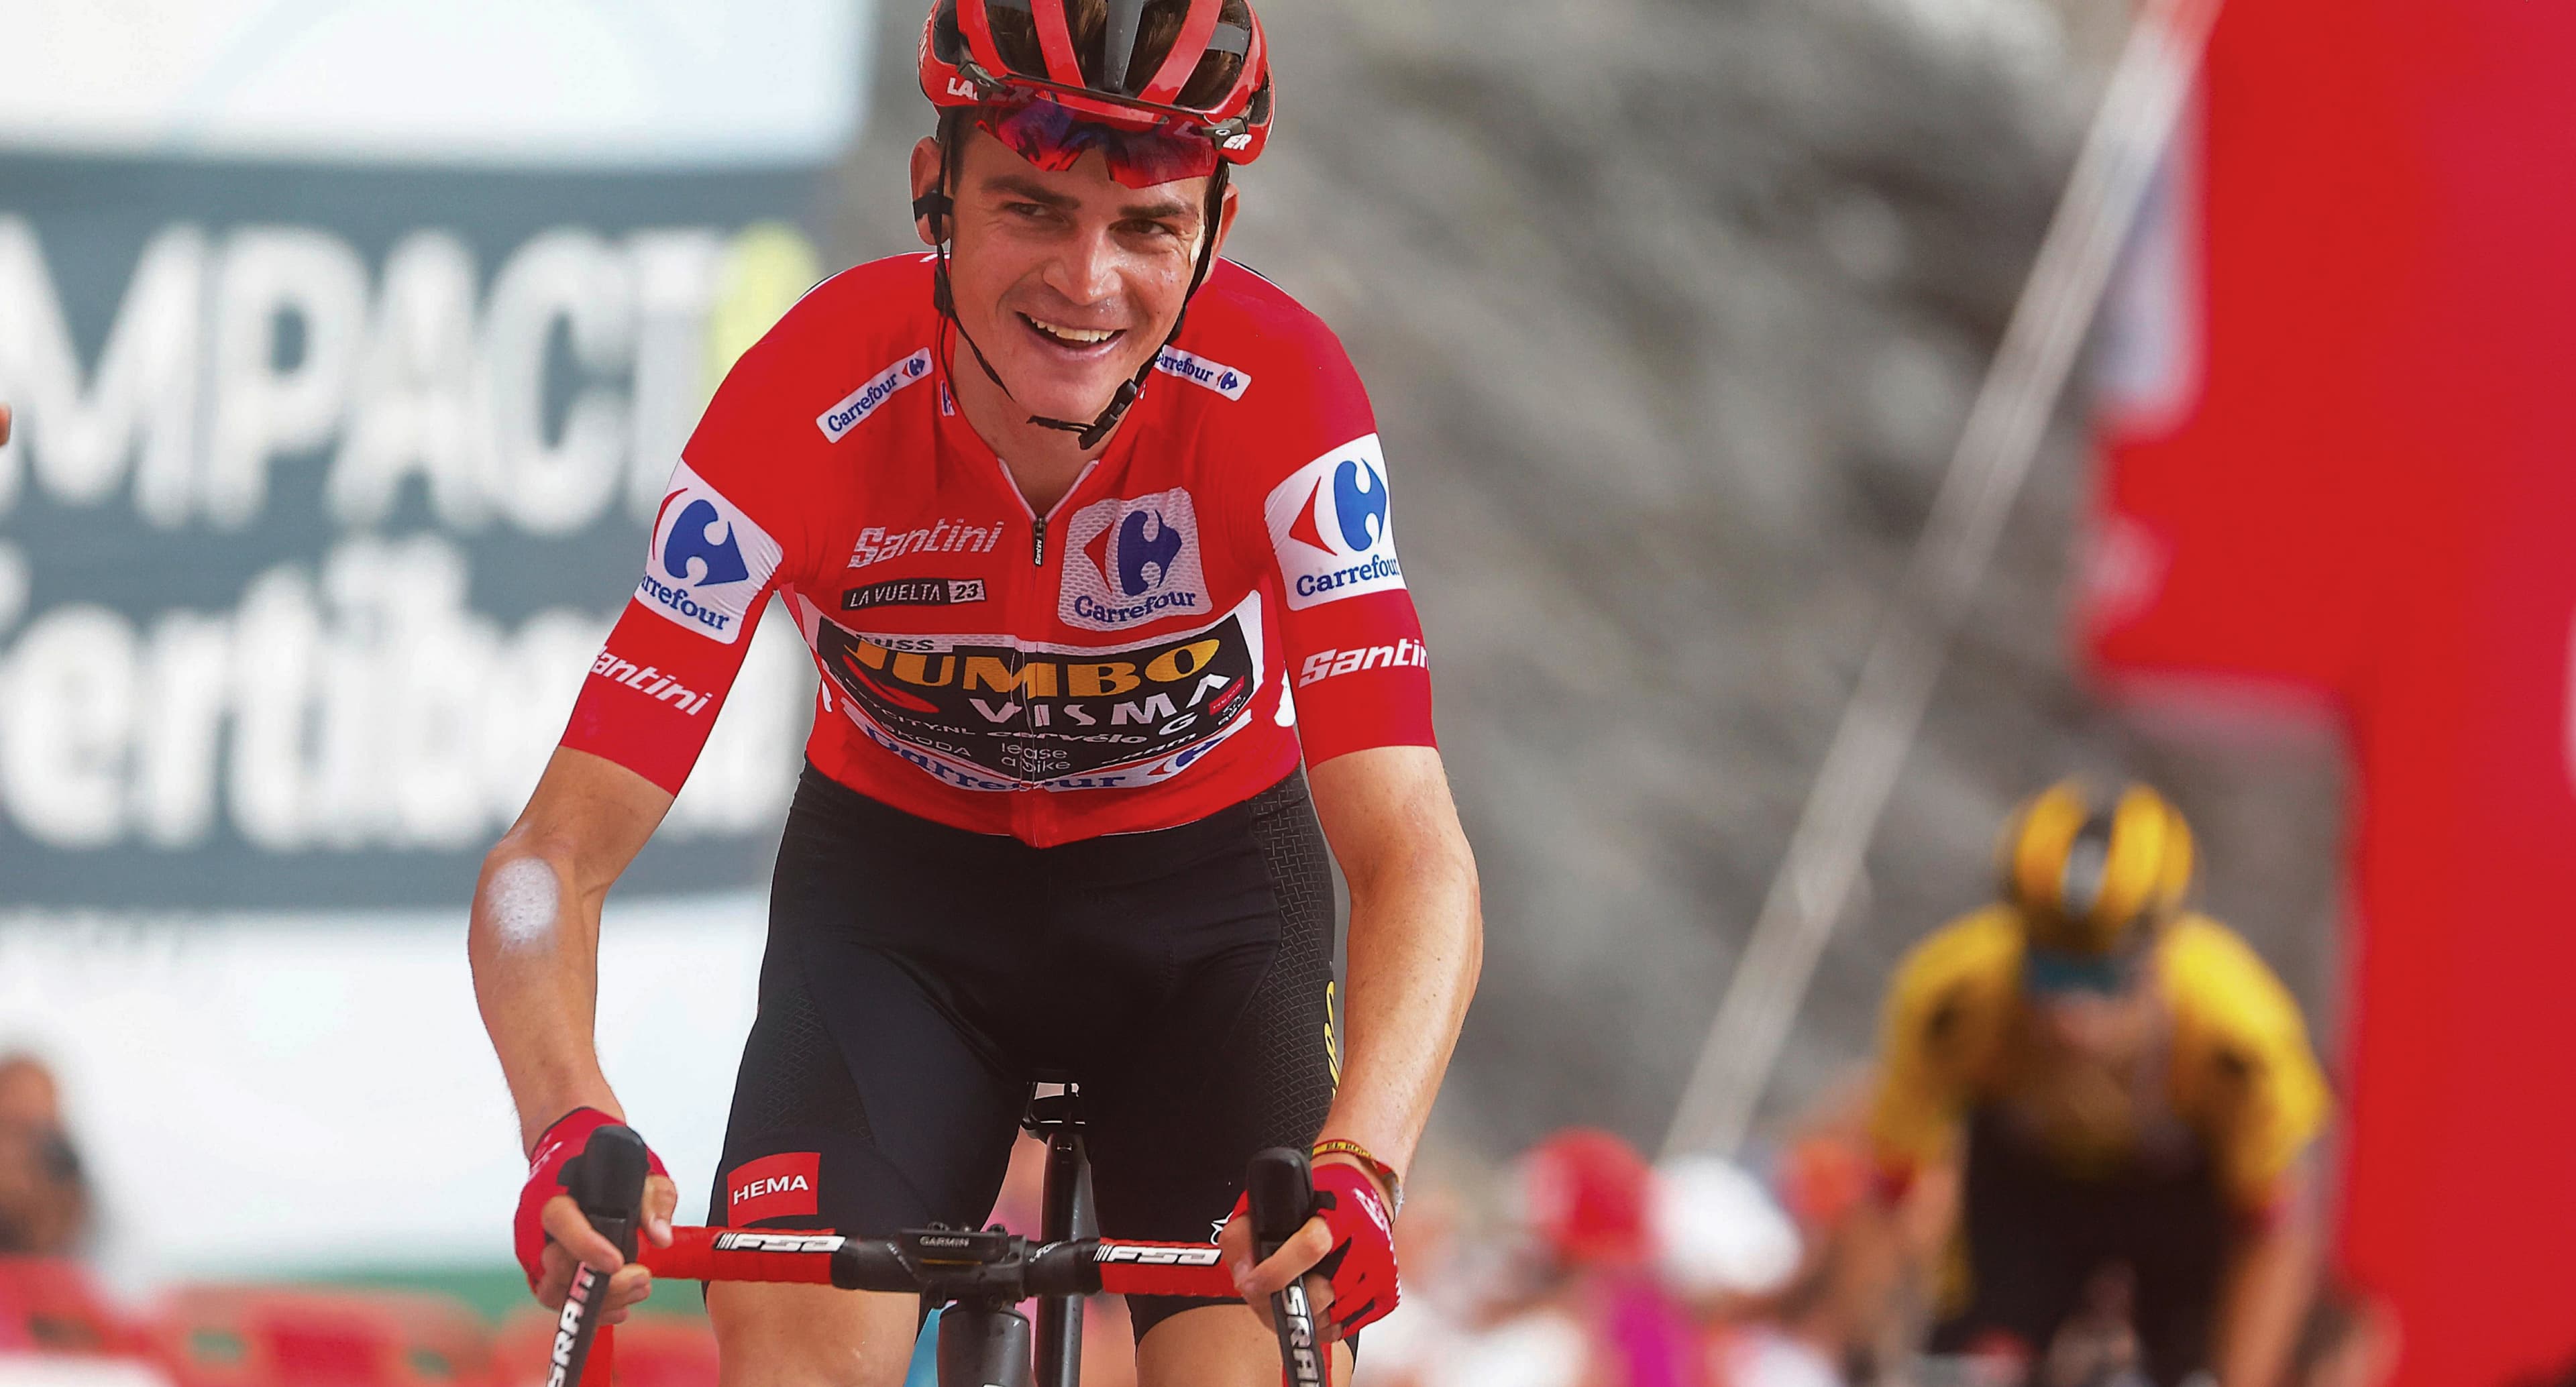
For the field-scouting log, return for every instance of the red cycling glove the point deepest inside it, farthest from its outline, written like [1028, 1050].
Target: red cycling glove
[560, 1145]
[1361, 1266]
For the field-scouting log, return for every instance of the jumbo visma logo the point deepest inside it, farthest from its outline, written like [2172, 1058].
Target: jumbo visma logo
[986, 715]
[709, 560]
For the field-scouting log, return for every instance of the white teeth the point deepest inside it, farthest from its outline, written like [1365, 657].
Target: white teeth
[1081, 336]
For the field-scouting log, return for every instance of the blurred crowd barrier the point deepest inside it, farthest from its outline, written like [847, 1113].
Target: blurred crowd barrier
[1575, 1265]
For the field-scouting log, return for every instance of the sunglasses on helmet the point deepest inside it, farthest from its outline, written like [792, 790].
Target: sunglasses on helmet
[1053, 138]
[2047, 973]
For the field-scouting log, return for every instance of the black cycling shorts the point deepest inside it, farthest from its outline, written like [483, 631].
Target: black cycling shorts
[2037, 1237]
[920, 978]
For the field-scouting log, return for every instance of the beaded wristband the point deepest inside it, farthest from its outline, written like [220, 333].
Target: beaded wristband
[1340, 1146]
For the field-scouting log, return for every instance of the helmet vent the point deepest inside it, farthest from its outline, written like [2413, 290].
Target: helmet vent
[1118, 45]
[2088, 864]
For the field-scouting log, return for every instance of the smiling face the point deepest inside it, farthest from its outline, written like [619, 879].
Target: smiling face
[1069, 281]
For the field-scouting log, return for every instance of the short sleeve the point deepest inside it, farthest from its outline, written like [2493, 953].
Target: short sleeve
[2254, 1084]
[1357, 667]
[726, 530]
[1939, 1020]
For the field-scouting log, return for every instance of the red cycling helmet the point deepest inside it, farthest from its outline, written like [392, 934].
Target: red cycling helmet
[962, 65]
[1049, 109]
[1585, 1193]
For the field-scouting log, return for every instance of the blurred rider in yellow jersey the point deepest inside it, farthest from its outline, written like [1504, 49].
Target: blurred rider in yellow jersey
[2088, 1094]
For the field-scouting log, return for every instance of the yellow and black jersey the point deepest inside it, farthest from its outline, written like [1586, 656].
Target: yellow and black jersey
[2238, 1072]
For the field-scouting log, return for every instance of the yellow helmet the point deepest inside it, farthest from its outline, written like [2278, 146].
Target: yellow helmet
[2085, 870]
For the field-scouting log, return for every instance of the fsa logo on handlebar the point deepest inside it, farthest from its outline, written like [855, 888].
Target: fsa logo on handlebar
[779, 1242]
[1158, 1255]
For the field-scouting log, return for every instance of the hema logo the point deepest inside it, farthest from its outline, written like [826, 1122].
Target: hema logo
[837, 421]
[1198, 370]
[709, 561]
[1332, 526]
[780, 1186]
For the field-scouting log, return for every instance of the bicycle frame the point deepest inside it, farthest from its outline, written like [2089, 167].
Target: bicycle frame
[1067, 1214]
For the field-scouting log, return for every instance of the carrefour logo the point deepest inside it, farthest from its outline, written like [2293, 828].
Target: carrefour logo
[690, 557]
[1132, 561]
[1332, 527]
[1198, 370]
[837, 421]
[709, 561]
[1146, 546]
[1359, 503]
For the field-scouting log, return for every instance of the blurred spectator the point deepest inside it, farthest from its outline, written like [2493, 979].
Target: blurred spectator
[44, 1201]
[1591, 1311]
[1606, 1273]
[1730, 1254]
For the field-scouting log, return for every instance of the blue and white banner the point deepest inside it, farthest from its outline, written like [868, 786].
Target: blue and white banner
[352, 347]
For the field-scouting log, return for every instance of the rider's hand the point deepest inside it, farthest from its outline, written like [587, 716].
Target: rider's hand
[553, 1237]
[1345, 1253]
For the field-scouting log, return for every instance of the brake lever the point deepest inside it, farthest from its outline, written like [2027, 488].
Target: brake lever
[607, 1181]
[1281, 1189]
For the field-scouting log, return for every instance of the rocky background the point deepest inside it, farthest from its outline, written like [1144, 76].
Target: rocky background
[1672, 312]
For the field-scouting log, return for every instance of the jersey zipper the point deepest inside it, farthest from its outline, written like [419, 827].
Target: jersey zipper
[1023, 598]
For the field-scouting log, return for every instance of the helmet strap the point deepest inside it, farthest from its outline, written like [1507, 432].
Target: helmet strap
[938, 206]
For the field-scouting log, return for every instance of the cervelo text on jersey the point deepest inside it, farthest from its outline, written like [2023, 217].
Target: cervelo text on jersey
[1198, 370]
[837, 421]
[709, 563]
[1132, 561]
[1333, 529]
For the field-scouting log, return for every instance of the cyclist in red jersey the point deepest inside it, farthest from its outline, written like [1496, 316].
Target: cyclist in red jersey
[1088, 532]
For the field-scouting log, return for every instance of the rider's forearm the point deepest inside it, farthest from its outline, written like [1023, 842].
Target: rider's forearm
[1416, 945]
[534, 944]
[534, 932]
[2270, 1279]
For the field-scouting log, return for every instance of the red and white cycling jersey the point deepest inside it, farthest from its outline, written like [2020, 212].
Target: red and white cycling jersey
[1219, 586]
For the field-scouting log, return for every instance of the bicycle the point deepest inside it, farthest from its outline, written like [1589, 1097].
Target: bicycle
[975, 1278]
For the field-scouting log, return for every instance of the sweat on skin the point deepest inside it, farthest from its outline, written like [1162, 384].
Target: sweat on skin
[522, 900]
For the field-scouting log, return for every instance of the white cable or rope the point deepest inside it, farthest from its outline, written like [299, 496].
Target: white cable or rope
[2128, 138]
